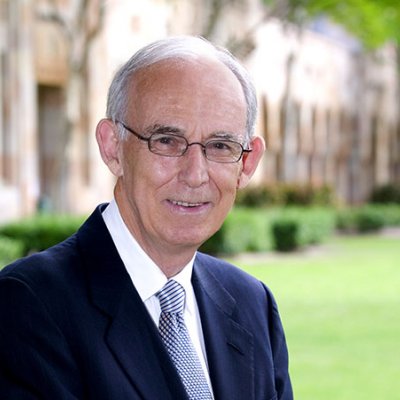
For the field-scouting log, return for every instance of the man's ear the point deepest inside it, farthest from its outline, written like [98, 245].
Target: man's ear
[109, 145]
[250, 161]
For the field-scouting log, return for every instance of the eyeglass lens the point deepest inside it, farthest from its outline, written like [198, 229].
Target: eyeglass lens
[220, 150]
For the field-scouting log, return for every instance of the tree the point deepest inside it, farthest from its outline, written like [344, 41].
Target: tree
[373, 22]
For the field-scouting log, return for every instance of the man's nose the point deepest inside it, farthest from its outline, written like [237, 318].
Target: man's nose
[194, 166]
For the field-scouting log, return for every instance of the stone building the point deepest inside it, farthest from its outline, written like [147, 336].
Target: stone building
[329, 112]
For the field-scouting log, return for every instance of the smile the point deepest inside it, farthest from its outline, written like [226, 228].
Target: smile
[185, 204]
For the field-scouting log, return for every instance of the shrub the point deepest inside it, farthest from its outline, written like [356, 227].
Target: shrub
[285, 194]
[245, 229]
[307, 195]
[385, 194]
[390, 213]
[250, 229]
[286, 234]
[216, 243]
[314, 224]
[293, 195]
[258, 196]
[10, 250]
[41, 231]
[346, 220]
[368, 218]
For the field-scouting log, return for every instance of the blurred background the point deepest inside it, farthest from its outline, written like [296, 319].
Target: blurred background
[320, 223]
[326, 72]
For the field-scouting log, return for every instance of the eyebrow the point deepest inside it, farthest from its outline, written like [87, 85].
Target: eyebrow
[226, 135]
[159, 128]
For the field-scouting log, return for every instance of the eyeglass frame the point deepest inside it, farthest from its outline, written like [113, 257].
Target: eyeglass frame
[203, 146]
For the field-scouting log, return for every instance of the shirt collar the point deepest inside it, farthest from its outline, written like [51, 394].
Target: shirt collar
[146, 276]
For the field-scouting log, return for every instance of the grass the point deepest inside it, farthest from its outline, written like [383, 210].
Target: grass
[340, 305]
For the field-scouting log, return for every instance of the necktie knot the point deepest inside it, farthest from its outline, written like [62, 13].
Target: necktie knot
[172, 297]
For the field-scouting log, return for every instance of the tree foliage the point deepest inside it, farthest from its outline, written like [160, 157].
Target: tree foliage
[374, 22]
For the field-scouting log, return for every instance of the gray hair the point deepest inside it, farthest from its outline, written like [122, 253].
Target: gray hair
[183, 47]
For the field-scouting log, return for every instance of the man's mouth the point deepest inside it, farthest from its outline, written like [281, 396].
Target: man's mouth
[186, 204]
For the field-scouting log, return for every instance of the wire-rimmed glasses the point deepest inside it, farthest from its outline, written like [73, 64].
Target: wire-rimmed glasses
[219, 150]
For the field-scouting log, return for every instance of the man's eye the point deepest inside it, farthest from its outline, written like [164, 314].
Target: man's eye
[165, 140]
[220, 145]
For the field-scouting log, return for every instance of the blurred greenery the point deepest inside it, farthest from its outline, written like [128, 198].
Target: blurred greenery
[286, 194]
[246, 229]
[368, 217]
[373, 22]
[36, 233]
[286, 235]
[10, 249]
[386, 194]
[250, 229]
[340, 308]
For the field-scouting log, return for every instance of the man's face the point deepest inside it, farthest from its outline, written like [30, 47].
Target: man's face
[176, 203]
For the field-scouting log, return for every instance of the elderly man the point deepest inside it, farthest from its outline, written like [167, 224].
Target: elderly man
[127, 308]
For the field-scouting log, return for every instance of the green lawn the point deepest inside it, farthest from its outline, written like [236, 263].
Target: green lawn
[340, 305]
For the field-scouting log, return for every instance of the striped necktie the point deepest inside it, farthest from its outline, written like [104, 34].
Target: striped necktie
[177, 341]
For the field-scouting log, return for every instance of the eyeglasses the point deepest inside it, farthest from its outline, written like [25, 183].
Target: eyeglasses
[172, 145]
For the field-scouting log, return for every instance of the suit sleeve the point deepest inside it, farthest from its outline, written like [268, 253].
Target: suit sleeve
[279, 350]
[35, 359]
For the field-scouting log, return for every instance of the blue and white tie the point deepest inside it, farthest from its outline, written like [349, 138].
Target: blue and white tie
[177, 341]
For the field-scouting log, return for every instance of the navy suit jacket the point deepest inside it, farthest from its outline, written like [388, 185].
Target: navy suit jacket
[72, 326]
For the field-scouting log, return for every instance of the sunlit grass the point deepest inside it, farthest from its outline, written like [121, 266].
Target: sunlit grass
[340, 305]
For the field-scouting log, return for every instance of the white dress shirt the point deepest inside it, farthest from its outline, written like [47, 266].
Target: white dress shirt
[148, 279]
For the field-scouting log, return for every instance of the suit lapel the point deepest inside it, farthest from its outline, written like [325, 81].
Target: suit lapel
[229, 345]
[131, 335]
[134, 340]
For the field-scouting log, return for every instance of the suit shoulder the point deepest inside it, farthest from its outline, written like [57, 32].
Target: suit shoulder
[44, 267]
[243, 290]
[228, 274]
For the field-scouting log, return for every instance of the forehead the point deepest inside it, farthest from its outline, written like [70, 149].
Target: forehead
[197, 91]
